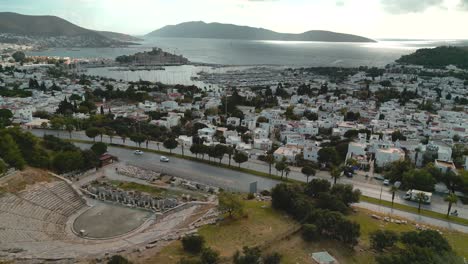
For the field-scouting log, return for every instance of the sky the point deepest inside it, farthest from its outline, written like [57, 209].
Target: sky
[414, 19]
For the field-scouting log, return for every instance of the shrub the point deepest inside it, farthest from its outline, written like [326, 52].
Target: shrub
[193, 243]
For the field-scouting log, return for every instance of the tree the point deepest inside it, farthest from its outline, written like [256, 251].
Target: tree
[420, 197]
[19, 56]
[382, 239]
[328, 155]
[10, 152]
[92, 132]
[99, 148]
[5, 117]
[138, 139]
[229, 151]
[68, 161]
[397, 135]
[281, 166]
[240, 157]
[336, 173]
[3, 167]
[345, 193]
[430, 239]
[209, 256]
[287, 171]
[270, 159]
[110, 133]
[193, 243]
[308, 171]
[231, 203]
[170, 144]
[273, 258]
[317, 186]
[451, 199]
[309, 232]
[249, 256]
[117, 259]
[393, 190]
[419, 179]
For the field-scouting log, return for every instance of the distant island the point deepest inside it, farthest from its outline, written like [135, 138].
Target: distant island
[439, 57]
[229, 31]
[52, 31]
[154, 57]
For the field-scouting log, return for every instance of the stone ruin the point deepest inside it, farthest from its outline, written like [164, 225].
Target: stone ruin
[131, 198]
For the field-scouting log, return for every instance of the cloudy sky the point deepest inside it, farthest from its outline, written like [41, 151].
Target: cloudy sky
[416, 19]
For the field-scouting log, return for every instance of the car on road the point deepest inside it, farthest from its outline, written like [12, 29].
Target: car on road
[386, 182]
[164, 159]
[138, 152]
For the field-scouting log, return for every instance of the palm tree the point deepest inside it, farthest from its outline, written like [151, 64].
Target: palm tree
[393, 190]
[335, 173]
[451, 199]
[420, 197]
[270, 159]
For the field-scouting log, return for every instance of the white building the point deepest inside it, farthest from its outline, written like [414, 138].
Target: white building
[263, 144]
[311, 150]
[288, 152]
[388, 155]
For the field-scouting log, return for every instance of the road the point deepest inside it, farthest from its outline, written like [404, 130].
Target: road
[233, 180]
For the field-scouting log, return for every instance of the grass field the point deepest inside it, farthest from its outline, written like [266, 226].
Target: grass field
[264, 226]
[411, 209]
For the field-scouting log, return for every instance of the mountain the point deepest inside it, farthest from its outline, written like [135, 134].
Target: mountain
[118, 36]
[438, 57]
[229, 31]
[52, 31]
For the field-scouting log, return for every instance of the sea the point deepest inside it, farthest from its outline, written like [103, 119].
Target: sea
[248, 53]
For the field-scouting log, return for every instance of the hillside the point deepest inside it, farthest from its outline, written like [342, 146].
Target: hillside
[439, 57]
[118, 36]
[228, 31]
[53, 31]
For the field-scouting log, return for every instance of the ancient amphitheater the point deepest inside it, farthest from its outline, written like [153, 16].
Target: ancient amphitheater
[38, 223]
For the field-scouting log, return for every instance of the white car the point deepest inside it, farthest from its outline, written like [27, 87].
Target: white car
[164, 159]
[138, 152]
[386, 182]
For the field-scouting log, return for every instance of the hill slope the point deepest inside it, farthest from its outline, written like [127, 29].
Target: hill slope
[439, 57]
[53, 31]
[228, 31]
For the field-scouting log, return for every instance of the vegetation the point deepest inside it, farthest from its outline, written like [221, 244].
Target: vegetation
[231, 204]
[193, 243]
[426, 246]
[438, 57]
[19, 148]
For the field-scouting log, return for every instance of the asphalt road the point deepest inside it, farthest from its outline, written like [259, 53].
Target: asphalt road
[203, 173]
[233, 180]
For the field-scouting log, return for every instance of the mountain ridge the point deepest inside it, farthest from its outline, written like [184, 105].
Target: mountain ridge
[56, 31]
[200, 29]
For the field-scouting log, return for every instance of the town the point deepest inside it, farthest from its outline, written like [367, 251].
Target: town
[398, 134]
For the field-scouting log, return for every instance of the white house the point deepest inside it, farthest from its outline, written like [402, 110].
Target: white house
[233, 121]
[170, 105]
[445, 166]
[311, 150]
[386, 156]
[263, 144]
[288, 152]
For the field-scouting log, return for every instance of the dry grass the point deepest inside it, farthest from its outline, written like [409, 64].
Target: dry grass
[21, 179]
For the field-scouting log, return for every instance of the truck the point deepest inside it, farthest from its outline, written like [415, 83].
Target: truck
[412, 195]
